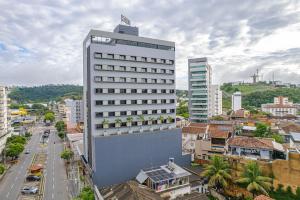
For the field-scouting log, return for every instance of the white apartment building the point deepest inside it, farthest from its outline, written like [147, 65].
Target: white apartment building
[216, 100]
[280, 108]
[74, 112]
[129, 94]
[236, 101]
[199, 73]
[5, 129]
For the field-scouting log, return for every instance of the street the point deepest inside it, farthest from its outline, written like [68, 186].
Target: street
[54, 171]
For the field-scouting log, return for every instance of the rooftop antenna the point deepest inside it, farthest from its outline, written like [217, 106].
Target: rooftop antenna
[125, 20]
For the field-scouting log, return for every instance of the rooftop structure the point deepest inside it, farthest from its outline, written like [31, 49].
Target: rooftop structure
[236, 101]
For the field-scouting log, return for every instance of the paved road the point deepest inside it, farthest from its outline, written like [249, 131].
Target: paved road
[13, 180]
[55, 174]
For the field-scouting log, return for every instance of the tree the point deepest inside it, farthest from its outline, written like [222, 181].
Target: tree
[298, 193]
[86, 194]
[13, 150]
[118, 122]
[141, 118]
[67, 154]
[61, 134]
[262, 130]
[218, 118]
[49, 116]
[254, 181]
[16, 139]
[129, 120]
[105, 123]
[278, 138]
[27, 134]
[218, 172]
[60, 126]
[2, 168]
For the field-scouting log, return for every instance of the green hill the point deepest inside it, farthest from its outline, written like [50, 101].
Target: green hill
[257, 94]
[45, 93]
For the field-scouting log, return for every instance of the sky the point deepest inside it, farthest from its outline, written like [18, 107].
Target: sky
[41, 40]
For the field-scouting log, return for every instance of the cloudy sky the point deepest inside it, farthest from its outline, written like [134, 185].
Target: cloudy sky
[41, 40]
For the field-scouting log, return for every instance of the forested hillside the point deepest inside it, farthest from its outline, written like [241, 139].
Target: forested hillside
[257, 94]
[45, 93]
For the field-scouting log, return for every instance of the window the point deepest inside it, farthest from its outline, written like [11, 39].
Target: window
[154, 111]
[122, 68]
[133, 101]
[133, 90]
[111, 56]
[153, 80]
[134, 112]
[122, 102]
[133, 58]
[153, 59]
[111, 102]
[123, 91]
[172, 111]
[171, 71]
[98, 78]
[171, 62]
[110, 90]
[110, 67]
[98, 90]
[133, 80]
[163, 60]
[144, 91]
[133, 69]
[99, 126]
[171, 81]
[144, 101]
[154, 90]
[134, 124]
[172, 100]
[163, 80]
[98, 102]
[98, 67]
[111, 114]
[164, 111]
[163, 91]
[122, 79]
[154, 101]
[145, 112]
[163, 101]
[163, 71]
[99, 114]
[144, 80]
[122, 57]
[172, 91]
[98, 55]
[143, 69]
[123, 113]
[110, 79]
[153, 70]
[144, 59]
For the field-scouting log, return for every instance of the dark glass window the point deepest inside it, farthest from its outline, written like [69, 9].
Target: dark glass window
[111, 114]
[98, 90]
[122, 91]
[163, 91]
[133, 101]
[99, 114]
[133, 112]
[164, 111]
[110, 90]
[98, 102]
[122, 102]
[111, 102]
[154, 91]
[123, 113]
[154, 111]
[145, 112]
[144, 101]
[133, 90]
[144, 91]
[154, 101]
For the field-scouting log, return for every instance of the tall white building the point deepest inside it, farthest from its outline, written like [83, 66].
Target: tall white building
[5, 128]
[74, 112]
[199, 74]
[236, 101]
[129, 103]
[216, 100]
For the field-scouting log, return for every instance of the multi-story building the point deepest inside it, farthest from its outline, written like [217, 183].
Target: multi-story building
[216, 100]
[280, 108]
[74, 112]
[236, 101]
[199, 75]
[129, 104]
[5, 128]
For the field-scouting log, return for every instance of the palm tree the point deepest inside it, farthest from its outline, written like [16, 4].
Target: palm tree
[105, 123]
[160, 118]
[118, 122]
[170, 119]
[218, 172]
[141, 118]
[129, 120]
[256, 183]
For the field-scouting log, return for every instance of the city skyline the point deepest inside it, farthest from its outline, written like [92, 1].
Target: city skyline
[40, 42]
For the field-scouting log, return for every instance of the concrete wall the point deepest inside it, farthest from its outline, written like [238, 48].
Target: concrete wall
[120, 158]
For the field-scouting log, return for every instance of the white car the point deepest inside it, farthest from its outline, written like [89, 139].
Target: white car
[29, 190]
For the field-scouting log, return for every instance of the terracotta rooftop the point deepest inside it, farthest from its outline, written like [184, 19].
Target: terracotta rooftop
[215, 133]
[291, 128]
[198, 124]
[239, 113]
[252, 142]
[263, 197]
[195, 128]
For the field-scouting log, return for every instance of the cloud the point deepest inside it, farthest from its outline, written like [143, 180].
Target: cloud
[41, 41]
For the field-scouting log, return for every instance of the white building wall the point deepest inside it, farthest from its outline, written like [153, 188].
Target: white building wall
[236, 101]
[74, 111]
[216, 100]
[5, 128]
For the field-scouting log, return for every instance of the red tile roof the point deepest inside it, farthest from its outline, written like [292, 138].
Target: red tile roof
[263, 197]
[252, 142]
[194, 130]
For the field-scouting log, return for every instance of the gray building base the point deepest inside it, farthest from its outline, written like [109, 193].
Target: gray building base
[120, 158]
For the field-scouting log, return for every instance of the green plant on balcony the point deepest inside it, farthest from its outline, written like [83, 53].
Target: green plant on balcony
[129, 120]
[105, 123]
[169, 119]
[160, 119]
[118, 122]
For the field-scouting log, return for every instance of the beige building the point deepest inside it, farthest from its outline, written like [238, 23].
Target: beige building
[5, 128]
[280, 108]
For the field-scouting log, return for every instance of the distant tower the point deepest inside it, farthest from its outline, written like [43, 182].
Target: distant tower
[255, 76]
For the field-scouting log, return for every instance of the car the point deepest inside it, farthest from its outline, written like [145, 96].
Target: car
[29, 190]
[33, 178]
[27, 151]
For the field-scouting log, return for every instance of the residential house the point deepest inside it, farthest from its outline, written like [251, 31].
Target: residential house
[281, 107]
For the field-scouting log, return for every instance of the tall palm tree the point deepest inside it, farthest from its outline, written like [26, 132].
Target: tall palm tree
[253, 179]
[218, 172]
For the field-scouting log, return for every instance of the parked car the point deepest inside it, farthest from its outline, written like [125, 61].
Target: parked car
[33, 178]
[29, 190]
[27, 151]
